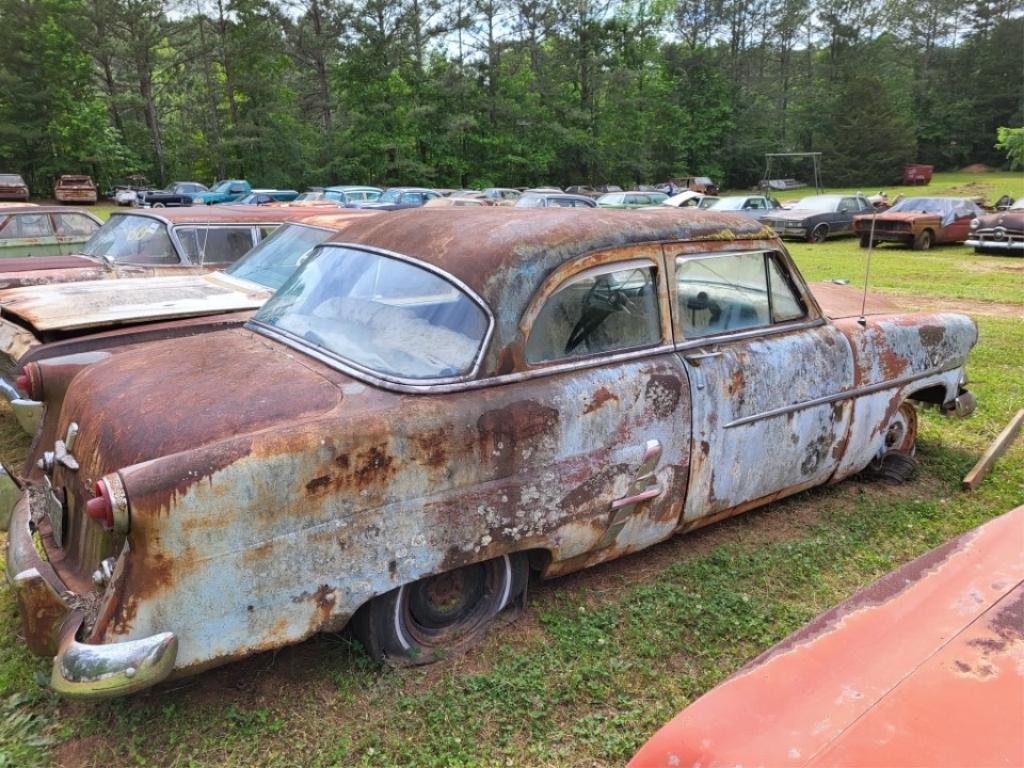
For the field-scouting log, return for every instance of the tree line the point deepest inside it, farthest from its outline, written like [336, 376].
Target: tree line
[502, 92]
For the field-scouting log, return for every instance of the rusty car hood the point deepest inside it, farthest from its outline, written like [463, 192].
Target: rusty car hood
[224, 384]
[838, 301]
[104, 303]
[921, 668]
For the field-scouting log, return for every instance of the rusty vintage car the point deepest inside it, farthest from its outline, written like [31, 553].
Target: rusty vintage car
[1001, 232]
[44, 321]
[151, 243]
[70, 188]
[922, 668]
[919, 222]
[435, 403]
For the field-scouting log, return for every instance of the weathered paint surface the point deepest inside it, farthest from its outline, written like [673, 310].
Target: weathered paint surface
[924, 667]
[76, 306]
[290, 492]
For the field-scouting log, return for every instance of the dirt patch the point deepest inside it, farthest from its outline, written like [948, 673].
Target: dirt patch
[976, 168]
[78, 753]
[913, 303]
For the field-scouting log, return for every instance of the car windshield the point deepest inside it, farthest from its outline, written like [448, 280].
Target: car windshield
[822, 203]
[222, 187]
[275, 259]
[391, 196]
[707, 202]
[1018, 205]
[10, 179]
[306, 197]
[132, 239]
[379, 313]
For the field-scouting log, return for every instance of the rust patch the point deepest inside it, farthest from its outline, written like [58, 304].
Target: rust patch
[931, 335]
[601, 396]
[375, 465]
[662, 395]
[433, 445]
[317, 484]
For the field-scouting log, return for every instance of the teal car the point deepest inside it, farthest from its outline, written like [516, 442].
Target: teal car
[631, 199]
[227, 191]
[346, 195]
[31, 230]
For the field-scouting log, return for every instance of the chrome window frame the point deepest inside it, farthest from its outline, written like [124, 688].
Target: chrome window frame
[185, 259]
[376, 377]
[608, 267]
[812, 319]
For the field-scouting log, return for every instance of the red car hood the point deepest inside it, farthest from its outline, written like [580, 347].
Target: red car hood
[898, 216]
[923, 668]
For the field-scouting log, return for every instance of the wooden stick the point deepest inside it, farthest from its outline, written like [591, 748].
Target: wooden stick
[973, 478]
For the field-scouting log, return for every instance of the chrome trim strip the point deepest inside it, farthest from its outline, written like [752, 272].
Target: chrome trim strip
[849, 394]
[764, 330]
[349, 366]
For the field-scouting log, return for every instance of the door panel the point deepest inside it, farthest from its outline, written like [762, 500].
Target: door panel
[741, 452]
[758, 355]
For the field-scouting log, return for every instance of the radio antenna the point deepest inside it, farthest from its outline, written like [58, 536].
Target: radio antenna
[862, 320]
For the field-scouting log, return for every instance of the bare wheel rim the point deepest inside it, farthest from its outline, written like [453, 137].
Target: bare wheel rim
[901, 434]
[441, 611]
[819, 234]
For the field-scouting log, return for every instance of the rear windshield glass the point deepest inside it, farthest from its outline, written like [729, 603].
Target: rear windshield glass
[272, 261]
[6, 178]
[382, 314]
[129, 239]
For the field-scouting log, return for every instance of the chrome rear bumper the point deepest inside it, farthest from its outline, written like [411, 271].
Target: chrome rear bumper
[52, 619]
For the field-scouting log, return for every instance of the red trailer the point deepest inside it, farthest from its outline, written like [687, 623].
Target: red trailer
[914, 173]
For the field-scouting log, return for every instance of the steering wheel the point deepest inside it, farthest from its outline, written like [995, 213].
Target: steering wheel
[601, 300]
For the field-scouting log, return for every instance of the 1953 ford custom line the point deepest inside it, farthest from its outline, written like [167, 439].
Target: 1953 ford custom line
[435, 403]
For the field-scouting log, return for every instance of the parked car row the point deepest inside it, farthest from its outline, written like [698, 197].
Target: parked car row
[584, 384]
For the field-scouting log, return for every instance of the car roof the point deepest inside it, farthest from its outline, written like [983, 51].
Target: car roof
[32, 208]
[220, 214]
[497, 251]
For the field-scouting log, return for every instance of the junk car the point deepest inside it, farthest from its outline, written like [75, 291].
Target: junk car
[429, 408]
[817, 218]
[1001, 232]
[42, 230]
[919, 222]
[13, 187]
[176, 194]
[75, 189]
[43, 321]
[142, 243]
[920, 668]
[755, 206]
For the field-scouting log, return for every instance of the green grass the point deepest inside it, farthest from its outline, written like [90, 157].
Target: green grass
[600, 659]
[991, 186]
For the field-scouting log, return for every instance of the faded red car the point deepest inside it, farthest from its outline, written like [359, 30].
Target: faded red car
[919, 222]
[436, 403]
[922, 668]
[143, 243]
[75, 189]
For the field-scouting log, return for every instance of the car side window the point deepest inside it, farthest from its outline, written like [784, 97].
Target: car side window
[733, 292]
[27, 225]
[215, 245]
[606, 309]
[71, 224]
[847, 205]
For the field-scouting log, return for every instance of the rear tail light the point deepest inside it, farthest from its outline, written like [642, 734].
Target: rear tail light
[109, 505]
[30, 382]
[100, 507]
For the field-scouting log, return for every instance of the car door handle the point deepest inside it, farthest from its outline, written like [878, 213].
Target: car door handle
[695, 358]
